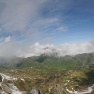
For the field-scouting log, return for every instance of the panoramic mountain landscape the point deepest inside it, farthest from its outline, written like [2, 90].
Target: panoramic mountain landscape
[49, 74]
[46, 46]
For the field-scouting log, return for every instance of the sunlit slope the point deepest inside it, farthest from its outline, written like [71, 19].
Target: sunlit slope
[51, 62]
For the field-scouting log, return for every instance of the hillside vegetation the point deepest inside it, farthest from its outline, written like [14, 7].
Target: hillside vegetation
[50, 62]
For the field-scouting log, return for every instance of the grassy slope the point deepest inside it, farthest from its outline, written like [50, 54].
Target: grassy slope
[44, 79]
[59, 63]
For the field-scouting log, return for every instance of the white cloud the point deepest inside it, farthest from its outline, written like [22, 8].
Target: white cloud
[24, 16]
[9, 49]
[15, 49]
[18, 14]
[62, 29]
[37, 44]
[65, 49]
[7, 39]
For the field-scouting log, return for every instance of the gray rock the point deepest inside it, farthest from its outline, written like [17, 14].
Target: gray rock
[0, 78]
[35, 91]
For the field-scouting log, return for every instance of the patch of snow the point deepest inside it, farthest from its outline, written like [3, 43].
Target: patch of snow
[68, 80]
[65, 84]
[12, 71]
[22, 79]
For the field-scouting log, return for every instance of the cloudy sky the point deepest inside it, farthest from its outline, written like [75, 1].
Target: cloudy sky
[29, 26]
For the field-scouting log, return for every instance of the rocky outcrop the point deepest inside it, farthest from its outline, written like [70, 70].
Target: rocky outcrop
[7, 86]
[88, 91]
[57, 89]
[0, 78]
[35, 91]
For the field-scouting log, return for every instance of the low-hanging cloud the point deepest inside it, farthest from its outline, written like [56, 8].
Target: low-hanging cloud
[15, 49]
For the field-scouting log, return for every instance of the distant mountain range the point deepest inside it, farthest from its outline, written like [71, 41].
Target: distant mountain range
[44, 61]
